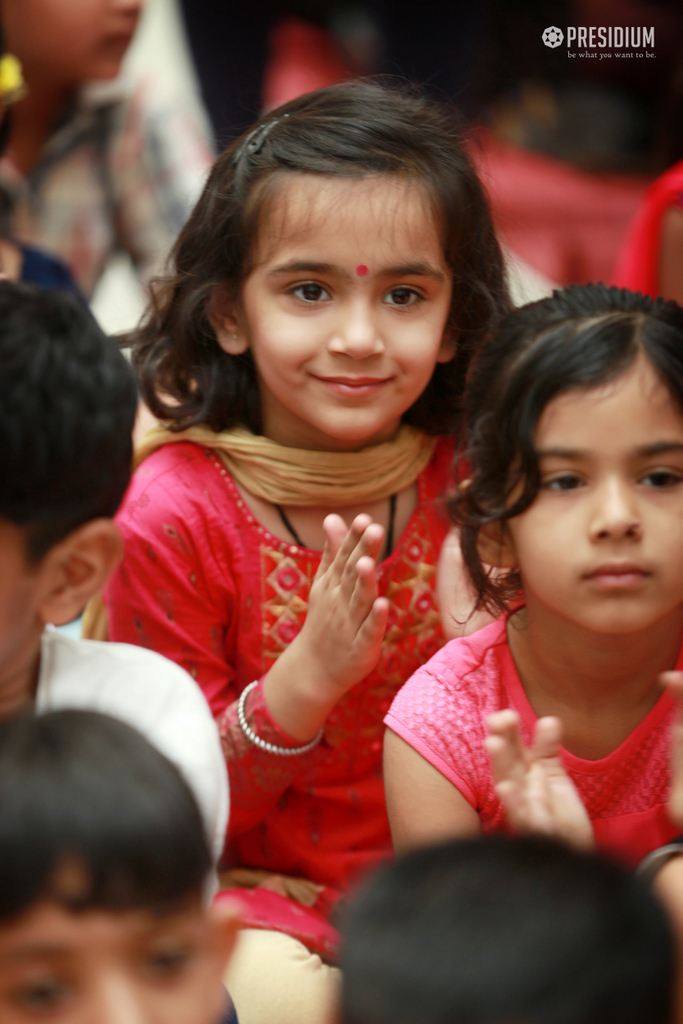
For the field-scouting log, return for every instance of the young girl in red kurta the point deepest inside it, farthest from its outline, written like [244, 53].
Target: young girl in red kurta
[308, 354]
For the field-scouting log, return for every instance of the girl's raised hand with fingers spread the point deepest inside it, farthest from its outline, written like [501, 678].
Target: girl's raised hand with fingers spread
[532, 782]
[340, 641]
[346, 617]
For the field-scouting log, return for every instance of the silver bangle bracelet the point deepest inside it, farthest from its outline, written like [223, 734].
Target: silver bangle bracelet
[269, 748]
[651, 865]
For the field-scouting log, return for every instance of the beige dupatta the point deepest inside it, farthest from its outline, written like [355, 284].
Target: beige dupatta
[293, 476]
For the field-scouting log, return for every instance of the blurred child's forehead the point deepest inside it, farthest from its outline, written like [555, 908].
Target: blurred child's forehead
[310, 208]
[49, 925]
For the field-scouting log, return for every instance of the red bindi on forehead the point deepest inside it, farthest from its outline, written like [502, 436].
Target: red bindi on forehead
[361, 270]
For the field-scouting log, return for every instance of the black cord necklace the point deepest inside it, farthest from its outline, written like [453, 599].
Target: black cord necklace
[388, 547]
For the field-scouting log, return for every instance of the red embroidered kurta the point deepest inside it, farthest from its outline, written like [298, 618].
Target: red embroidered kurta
[203, 583]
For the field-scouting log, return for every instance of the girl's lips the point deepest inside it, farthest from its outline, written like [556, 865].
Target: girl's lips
[618, 576]
[357, 386]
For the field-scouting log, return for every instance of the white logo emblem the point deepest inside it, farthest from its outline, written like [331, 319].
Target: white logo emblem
[553, 36]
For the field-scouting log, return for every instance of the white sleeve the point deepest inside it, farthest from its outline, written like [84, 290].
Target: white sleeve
[152, 694]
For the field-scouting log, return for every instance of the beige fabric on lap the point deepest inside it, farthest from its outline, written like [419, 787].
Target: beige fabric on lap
[273, 979]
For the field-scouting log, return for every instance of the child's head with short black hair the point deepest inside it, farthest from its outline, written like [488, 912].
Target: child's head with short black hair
[83, 788]
[506, 931]
[103, 867]
[67, 408]
[68, 401]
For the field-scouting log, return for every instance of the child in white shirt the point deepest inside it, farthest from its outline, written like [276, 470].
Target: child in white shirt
[67, 407]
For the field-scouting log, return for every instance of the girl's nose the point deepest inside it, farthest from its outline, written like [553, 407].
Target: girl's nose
[356, 334]
[616, 512]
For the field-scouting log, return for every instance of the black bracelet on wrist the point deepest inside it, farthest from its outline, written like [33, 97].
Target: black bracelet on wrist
[652, 864]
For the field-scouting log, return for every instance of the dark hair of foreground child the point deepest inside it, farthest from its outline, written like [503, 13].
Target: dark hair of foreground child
[80, 785]
[506, 931]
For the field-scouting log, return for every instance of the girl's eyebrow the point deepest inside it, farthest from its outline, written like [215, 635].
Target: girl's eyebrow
[656, 448]
[660, 447]
[418, 269]
[559, 453]
[305, 266]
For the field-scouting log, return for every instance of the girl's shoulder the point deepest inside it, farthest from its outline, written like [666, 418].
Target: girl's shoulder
[468, 664]
[460, 682]
[179, 480]
[443, 708]
[173, 466]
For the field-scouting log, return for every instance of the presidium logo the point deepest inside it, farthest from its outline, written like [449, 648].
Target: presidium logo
[616, 38]
[553, 36]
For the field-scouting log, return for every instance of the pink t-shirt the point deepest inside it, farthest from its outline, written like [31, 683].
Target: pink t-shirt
[442, 711]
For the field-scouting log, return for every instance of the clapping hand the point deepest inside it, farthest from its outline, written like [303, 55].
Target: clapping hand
[532, 783]
[341, 640]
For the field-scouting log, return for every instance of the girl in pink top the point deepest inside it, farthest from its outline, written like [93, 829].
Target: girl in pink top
[575, 428]
[308, 355]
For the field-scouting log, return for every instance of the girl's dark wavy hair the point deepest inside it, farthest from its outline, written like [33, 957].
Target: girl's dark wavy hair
[580, 337]
[351, 130]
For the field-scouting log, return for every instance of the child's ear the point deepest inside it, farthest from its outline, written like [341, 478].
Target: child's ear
[223, 319]
[76, 569]
[449, 344]
[495, 546]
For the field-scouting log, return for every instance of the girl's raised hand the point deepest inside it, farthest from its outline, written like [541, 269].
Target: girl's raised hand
[346, 618]
[532, 783]
[341, 639]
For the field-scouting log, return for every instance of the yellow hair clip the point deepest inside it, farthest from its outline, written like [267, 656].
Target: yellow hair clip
[12, 84]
